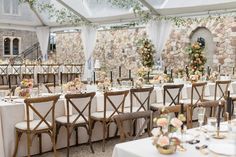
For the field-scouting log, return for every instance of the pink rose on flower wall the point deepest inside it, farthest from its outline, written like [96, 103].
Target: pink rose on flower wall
[163, 141]
[176, 122]
[162, 122]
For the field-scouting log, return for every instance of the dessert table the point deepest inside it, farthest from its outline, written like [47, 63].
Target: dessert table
[144, 147]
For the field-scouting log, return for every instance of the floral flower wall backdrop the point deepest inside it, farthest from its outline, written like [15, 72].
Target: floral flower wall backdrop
[119, 47]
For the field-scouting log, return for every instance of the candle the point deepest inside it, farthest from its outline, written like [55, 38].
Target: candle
[111, 76]
[218, 117]
[148, 77]
[182, 112]
[119, 71]
[186, 68]
[61, 78]
[229, 104]
[208, 70]
[37, 78]
[219, 69]
[165, 70]
[54, 80]
[233, 70]
[129, 73]
[9, 81]
[94, 77]
[171, 74]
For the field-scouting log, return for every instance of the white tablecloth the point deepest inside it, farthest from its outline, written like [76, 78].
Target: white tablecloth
[144, 147]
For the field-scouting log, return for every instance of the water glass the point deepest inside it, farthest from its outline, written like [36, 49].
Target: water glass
[211, 121]
[201, 116]
[2, 95]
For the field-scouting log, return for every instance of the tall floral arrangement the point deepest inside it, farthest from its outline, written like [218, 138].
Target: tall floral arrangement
[146, 51]
[196, 57]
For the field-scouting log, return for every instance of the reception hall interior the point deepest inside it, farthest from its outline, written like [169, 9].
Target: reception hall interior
[117, 78]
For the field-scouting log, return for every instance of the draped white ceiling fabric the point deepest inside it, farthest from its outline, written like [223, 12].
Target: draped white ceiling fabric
[43, 38]
[158, 32]
[89, 36]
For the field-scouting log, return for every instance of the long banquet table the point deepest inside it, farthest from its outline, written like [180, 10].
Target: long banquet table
[144, 147]
[13, 112]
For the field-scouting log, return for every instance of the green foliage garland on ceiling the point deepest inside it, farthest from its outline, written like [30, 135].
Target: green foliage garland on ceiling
[62, 16]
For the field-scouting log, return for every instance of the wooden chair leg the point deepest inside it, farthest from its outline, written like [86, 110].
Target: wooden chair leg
[58, 127]
[40, 143]
[76, 136]
[68, 141]
[104, 136]
[28, 144]
[89, 131]
[18, 136]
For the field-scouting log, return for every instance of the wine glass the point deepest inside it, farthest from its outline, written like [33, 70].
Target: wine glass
[211, 122]
[2, 95]
[201, 115]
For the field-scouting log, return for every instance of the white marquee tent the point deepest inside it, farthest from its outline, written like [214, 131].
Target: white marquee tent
[100, 12]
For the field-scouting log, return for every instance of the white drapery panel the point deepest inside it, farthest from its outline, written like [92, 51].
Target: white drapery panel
[158, 32]
[43, 38]
[88, 36]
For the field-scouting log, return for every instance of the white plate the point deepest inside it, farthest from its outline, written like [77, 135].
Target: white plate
[223, 149]
[12, 97]
[223, 128]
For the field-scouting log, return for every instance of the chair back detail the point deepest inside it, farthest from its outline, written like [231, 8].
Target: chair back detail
[221, 89]
[80, 108]
[197, 92]
[173, 92]
[30, 105]
[114, 107]
[142, 97]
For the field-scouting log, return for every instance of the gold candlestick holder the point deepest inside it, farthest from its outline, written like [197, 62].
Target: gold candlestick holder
[217, 135]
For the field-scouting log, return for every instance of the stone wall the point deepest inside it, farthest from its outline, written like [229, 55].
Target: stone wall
[28, 38]
[117, 47]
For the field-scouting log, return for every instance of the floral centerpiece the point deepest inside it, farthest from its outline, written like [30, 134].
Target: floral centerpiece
[139, 82]
[104, 85]
[196, 56]
[160, 78]
[143, 71]
[214, 75]
[25, 88]
[74, 86]
[179, 73]
[146, 51]
[162, 137]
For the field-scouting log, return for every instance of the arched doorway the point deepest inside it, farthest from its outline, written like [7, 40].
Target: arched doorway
[210, 46]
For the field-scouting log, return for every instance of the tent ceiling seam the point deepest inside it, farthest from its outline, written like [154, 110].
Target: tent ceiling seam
[150, 7]
[74, 11]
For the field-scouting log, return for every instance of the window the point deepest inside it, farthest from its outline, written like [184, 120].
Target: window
[11, 7]
[11, 46]
[16, 46]
[7, 46]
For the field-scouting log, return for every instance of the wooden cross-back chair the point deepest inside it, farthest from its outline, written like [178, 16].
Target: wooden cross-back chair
[111, 109]
[196, 96]
[168, 91]
[77, 70]
[176, 110]
[67, 73]
[79, 119]
[121, 80]
[28, 72]
[140, 99]
[33, 128]
[172, 95]
[4, 73]
[212, 106]
[127, 134]
[220, 92]
[16, 73]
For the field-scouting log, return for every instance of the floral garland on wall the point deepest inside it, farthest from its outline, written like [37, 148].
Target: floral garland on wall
[196, 57]
[146, 51]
